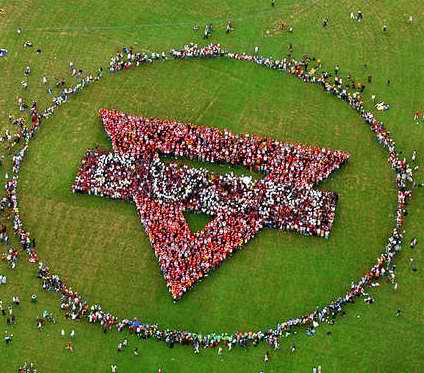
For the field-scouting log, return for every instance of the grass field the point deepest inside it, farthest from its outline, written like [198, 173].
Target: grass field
[98, 245]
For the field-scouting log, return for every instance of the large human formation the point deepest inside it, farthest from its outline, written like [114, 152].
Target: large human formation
[77, 307]
[283, 199]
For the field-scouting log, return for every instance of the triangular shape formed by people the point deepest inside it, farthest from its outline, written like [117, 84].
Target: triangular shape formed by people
[240, 206]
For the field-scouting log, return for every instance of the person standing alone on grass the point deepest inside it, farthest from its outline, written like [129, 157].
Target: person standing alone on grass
[414, 156]
[413, 243]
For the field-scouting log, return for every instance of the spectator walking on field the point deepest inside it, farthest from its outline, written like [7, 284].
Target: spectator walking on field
[413, 243]
[229, 27]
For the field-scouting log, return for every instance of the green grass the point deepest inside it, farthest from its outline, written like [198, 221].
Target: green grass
[98, 245]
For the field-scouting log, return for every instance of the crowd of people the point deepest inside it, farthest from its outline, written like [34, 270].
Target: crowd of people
[383, 268]
[283, 199]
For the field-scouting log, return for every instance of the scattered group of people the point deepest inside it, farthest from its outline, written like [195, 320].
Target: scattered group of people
[8, 313]
[419, 117]
[283, 199]
[76, 306]
[45, 318]
[28, 367]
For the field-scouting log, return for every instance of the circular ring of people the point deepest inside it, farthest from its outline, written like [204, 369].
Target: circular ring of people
[76, 307]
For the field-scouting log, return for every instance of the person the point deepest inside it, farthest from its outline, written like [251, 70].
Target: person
[62, 332]
[266, 357]
[229, 27]
[72, 334]
[398, 311]
[208, 31]
[8, 338]
[336, 70]
[384, 28]
[413, 243]
[414, 156]
[411, 20]
[114, 368]
[413, 265]
[359, 16]
[293, 348]
[256, 50]
[220, 351]
[33, 298]
[69, 346]
[136, 351]
[310, 332]
[325, 22]
[272, 3]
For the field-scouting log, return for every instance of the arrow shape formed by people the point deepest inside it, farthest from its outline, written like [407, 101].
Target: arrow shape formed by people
[240, 206]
